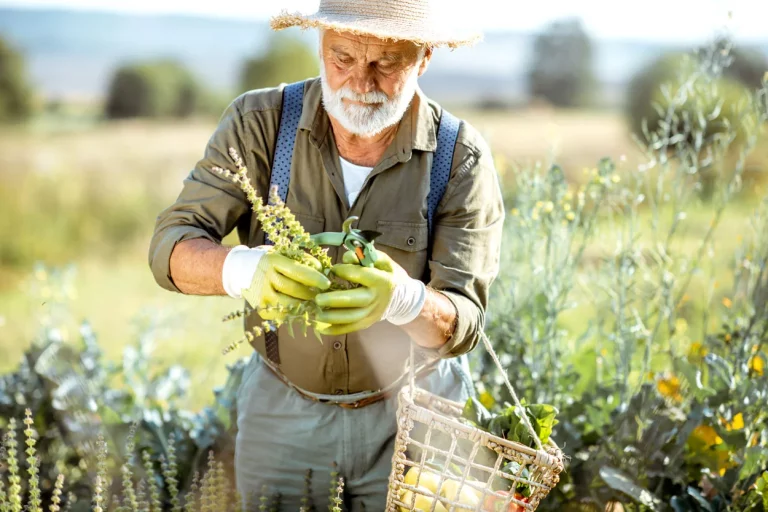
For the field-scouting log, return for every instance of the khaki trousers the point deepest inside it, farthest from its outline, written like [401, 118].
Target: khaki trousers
[282, 434]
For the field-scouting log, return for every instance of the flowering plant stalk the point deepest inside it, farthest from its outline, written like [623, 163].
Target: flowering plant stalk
[290, 239]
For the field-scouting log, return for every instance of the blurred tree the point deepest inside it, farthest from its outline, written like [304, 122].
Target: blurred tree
[743, 73]
[15, 91]
[154, 89]
[699, 99]
[285, 59]
[561, 72]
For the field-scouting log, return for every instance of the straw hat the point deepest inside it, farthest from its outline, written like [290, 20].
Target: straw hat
[409, 20]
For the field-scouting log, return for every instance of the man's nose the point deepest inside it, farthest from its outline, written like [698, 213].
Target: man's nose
[363, 80]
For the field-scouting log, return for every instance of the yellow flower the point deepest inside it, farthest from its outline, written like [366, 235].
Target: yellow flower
[515, 212]
[728, 337]
[669, 387]
[487, 400]
[707, 435]
[616, 178]
[548, 207]
[570, 216]
[757, 365]
[681, 325]
[727, 302]
[535, 215]
[566, 207]
[539, 204]
[737, 423]
[697, 350]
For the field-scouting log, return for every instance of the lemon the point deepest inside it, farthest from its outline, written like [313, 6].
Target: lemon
[428, 479]
[422, 503]
[467, 496]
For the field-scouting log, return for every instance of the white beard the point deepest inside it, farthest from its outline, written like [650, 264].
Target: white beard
[365, 120]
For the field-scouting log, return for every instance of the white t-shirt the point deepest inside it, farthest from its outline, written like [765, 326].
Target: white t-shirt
[354, 177]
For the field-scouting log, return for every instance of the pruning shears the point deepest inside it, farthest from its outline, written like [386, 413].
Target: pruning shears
[358, 241]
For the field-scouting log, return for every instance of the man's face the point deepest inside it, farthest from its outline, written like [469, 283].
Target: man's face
[368, 83]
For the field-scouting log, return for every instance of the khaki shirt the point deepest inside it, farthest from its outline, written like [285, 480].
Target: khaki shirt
[467, 231]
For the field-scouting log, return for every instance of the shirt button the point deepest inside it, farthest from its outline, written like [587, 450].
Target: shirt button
[339, 391]
[337, 345]
[411, 241]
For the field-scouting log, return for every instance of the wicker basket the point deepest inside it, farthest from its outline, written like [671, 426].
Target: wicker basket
[468, 460]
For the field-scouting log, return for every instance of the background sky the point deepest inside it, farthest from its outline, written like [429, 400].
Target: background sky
[656, 20]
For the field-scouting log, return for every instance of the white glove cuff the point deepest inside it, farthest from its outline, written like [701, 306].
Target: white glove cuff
[239, 267]
[407, 302]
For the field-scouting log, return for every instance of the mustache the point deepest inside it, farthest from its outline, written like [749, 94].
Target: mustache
[370, 98]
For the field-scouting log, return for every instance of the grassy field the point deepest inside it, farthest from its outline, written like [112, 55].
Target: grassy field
[89, 198]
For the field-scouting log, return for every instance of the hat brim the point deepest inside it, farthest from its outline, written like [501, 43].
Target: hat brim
[376, 27]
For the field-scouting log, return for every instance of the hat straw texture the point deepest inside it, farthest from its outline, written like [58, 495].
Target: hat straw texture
[411, 20]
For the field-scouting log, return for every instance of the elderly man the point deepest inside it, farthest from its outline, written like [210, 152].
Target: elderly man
[361, 140]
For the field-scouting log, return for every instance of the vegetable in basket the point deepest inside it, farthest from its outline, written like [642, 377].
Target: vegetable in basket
[508, 424]
[428, 481]
[449, 489]
[495, 504]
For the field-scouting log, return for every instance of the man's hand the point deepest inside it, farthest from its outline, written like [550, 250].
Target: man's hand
[386, 292]
[270, 281]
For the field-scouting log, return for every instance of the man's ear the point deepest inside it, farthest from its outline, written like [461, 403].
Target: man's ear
[425, 61]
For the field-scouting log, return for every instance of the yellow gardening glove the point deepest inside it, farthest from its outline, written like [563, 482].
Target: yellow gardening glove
[280, 281]
[386, 292]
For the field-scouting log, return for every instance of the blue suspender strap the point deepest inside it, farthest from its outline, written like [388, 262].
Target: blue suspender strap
[293, 102]
[447, 134]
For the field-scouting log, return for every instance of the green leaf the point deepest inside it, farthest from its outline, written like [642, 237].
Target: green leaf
[544, 417]
[504, 425]
[476, 413]
[683, 504]
[618, 481]
[693, 376]
[721, 369]
[696, 495]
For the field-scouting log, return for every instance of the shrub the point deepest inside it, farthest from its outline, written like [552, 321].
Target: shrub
[608, 307]
[561, 70]
[652, 90]
[153, 89]
[692, 107]
[285, 59]
[15, 91]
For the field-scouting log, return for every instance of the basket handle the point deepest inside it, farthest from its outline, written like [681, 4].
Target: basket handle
[489, 348]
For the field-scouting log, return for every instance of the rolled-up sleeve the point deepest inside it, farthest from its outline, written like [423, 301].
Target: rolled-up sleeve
[208, 206]
[467, 246]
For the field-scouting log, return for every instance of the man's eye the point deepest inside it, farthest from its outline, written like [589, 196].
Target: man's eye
[344, 60]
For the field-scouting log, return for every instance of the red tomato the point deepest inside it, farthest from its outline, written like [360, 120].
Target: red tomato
[494, 504]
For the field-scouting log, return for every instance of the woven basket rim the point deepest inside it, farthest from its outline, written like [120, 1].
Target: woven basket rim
[557, 456]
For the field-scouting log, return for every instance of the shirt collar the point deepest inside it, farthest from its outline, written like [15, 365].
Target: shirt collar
[417, 130]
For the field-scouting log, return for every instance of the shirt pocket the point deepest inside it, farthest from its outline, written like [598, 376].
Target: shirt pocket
[312, 224]
[406, 243]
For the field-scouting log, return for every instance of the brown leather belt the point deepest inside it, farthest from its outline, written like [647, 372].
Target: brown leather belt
[376, 397]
